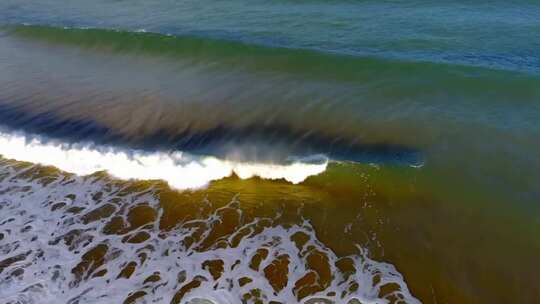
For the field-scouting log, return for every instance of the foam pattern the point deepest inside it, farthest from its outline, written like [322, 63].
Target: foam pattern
[94, 239]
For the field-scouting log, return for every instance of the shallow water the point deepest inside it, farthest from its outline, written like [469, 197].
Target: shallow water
[289, 151]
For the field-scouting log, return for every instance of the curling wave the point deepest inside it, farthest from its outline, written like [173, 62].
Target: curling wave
[180, 170]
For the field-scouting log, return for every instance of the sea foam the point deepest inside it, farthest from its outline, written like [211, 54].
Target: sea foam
[53, 251]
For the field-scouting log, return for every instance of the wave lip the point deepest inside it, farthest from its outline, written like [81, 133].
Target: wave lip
[180, 170]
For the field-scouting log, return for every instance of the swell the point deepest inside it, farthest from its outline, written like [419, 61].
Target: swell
[228, 66]
[337, 66]
[248, 102]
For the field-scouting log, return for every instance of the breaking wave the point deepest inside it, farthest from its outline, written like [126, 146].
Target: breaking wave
[180, 170]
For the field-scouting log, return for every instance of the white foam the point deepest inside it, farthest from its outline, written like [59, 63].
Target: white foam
[180, 170]
[30, 226]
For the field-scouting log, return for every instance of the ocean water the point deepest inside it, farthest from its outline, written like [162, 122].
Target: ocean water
[269, 151]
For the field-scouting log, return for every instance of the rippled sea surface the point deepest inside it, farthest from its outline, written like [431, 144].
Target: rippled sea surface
[269, 151]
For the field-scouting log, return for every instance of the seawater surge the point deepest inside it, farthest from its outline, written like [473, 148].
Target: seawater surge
[269, 152]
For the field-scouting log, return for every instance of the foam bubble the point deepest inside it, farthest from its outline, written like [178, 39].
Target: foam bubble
[51, 254]
[180, 170]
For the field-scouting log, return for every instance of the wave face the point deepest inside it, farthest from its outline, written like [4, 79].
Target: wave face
[195, 106]
[211, 97]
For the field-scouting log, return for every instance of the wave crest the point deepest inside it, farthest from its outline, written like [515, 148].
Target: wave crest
[180, 170]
